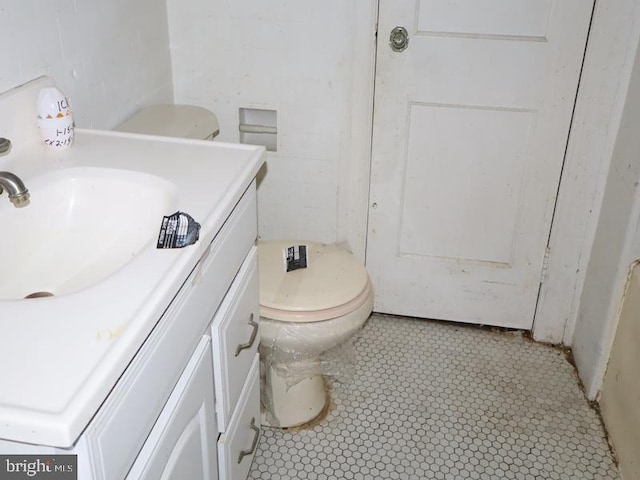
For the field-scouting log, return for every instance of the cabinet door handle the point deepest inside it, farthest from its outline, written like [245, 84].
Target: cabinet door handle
[252, 339]
[254, 443]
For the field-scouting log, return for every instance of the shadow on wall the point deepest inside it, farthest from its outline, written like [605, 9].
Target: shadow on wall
[621, 389]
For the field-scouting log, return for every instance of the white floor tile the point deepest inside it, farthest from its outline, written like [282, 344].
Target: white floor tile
[435, 400]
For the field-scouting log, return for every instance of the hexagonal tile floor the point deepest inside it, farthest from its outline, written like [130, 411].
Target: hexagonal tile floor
[446, 401]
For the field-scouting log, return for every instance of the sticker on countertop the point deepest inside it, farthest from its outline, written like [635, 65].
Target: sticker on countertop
[177, 231]
[295, 257]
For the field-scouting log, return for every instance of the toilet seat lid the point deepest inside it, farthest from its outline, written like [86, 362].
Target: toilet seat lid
[333, 277]
[183, 121]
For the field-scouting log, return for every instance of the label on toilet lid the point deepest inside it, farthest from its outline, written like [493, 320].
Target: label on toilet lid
[333, 277]
[295, 257]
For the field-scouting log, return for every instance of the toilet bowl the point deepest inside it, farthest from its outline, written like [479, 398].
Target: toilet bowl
[304, 313]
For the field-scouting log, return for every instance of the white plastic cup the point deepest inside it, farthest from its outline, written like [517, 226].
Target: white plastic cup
[55, 119]
[56, 133]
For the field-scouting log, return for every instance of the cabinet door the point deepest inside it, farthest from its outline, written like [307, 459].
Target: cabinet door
[236, 334]
[236, 447]
[182, 444]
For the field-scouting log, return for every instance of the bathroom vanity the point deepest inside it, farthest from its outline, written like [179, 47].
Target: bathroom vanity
[218, 300]
[145, 366]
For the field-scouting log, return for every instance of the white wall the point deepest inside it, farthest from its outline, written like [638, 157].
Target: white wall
[616, 246]
[310, 61]
[109, 57]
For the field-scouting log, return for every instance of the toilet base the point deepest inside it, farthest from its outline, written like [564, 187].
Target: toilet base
[292, 406]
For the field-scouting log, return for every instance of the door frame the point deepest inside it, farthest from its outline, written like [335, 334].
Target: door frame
[602, 92]
[601, 96]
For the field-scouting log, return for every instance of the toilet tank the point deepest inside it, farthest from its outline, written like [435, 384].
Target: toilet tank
[184, 121]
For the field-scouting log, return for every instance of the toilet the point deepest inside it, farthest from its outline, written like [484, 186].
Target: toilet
[305, 313]
[185, 121]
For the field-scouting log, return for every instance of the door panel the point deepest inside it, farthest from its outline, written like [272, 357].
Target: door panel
[482, 133]
[470, 125]
[489, 17]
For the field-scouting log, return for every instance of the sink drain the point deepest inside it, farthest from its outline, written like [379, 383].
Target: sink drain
[39, 295]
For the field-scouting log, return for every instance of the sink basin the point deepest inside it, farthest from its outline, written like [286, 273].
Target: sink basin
[82, 225]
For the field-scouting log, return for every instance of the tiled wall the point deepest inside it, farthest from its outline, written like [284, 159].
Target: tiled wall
[310, 61]
[109, 57]
[305, 60]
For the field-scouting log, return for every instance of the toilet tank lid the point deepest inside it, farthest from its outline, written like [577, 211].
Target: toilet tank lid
[184, 121]
[333, 278]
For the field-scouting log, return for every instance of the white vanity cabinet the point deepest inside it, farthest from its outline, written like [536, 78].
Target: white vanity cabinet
[191, 432]
[187, 440]
[170, 414]
[187, 405]
[120, 365]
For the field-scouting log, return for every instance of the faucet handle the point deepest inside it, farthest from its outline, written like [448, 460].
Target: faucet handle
[5, 146]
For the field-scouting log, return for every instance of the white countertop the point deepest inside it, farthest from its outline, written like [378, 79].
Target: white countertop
[61, 356]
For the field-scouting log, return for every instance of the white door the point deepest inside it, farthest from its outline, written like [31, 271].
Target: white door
[470, 127]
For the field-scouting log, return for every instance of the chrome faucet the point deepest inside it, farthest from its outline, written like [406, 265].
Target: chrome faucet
[18, 193]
